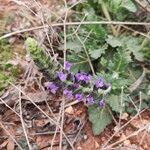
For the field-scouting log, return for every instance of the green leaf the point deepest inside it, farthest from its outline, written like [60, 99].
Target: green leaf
[134, 47]
[115, 102]
[129, 5]
[80, 62]
[98, 52]
[120, 60]
[129, 44]
[113, 41]
[100, 118]
[75, 46]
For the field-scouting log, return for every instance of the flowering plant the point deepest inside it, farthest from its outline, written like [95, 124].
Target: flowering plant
[101, 92]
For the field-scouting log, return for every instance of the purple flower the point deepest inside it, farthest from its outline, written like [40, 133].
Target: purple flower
[79, 97]
[102, 103]
[53, 88]
[76, 85]
[99, 83]
[87, 78]
[68, 65]
[79, 76]
[67, 93]
[62, 76]
[90, 100]
[83, 77]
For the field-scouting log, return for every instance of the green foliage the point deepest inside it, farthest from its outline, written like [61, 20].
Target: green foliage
[80, 62]
[119, 9]
[117, 102]
[98, 52]
[46, 64]
[129, 44]
[8, 71]
[100, 118]
[116, 58]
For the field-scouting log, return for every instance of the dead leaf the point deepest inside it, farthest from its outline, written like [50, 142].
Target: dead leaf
[10, 145]
[136, 84]
[37, 97]
[4, 144]
[96, 145]
[140, 124]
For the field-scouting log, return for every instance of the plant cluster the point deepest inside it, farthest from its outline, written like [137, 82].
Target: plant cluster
[8, 71]
[116, 57]
[80, 86]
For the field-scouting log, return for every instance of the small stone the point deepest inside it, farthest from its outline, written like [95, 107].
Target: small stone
[69, 110]
[126, 143]
[116, 129]
[28, 58]
[12, 40]
[96, 145]
[85, 137]
[124, 116]
[79, 148]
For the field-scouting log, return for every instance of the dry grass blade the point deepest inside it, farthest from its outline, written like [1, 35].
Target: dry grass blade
[75, 24]
[62, 124]
[22, 122]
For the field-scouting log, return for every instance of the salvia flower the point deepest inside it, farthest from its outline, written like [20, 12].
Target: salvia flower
[67, 93]
[90, 100]
[79, 76]
[62, 76]
[52, 88]
[68, 65]
[83, 77]
[102, 103]
[79, 97]
[99, 83]
[76, 85]
[87, 78]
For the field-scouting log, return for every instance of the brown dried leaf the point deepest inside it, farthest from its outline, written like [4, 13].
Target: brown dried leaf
[37, 97]
[4, 144]
[140, 124]
[10, 145]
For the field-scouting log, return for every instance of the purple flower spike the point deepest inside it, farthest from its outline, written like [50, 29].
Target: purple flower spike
[102, 103]
[67, 93]
[90, 100]
[52, 88]
[79, 97]
[79, 76]
[83, 77]
[68, 65]
[87, 78]
[62, 76]
[99, 83]
[76, 85]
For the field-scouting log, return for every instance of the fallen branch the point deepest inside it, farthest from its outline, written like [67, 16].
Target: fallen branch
[74, 24]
